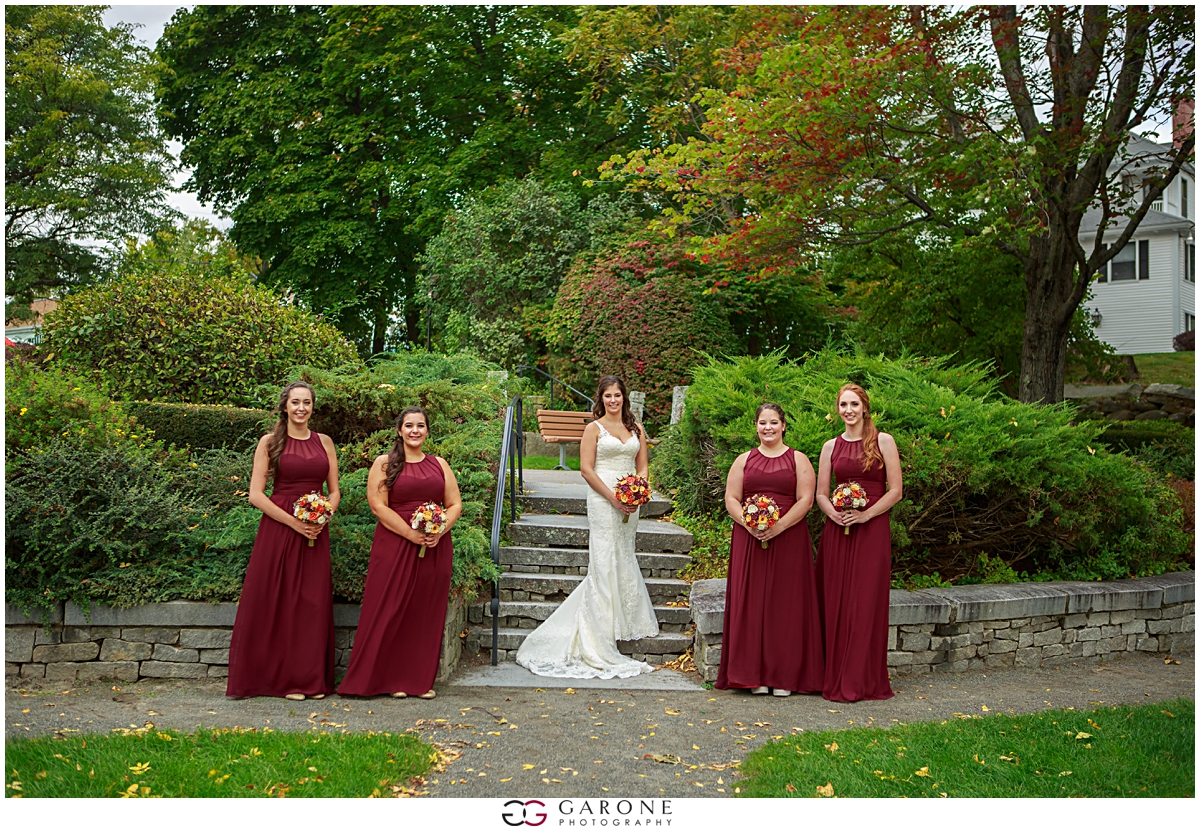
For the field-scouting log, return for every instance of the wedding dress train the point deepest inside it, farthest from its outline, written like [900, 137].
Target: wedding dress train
[579, 640]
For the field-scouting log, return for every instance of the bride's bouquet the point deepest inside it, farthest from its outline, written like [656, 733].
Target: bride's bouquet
[849, 496]
[313, 508]
[429, 519]
[760, 512]
[633, 491]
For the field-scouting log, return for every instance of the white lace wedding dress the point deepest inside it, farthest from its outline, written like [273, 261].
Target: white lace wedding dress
[579, 640]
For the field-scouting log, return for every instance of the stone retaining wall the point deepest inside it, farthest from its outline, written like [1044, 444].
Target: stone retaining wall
[1158, 401]
[995, 627]
[186, 640]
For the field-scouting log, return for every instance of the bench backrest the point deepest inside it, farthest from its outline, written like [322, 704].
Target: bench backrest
[561, 426]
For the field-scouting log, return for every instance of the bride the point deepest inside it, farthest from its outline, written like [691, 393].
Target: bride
[579, 641]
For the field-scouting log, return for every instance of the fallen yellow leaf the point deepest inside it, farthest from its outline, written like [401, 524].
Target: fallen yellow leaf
[832, 746]
[826, 790]
[922, 772]
[1083, 735]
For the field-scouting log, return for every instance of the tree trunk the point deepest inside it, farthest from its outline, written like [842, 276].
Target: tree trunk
[1049, 307]
[379, 336]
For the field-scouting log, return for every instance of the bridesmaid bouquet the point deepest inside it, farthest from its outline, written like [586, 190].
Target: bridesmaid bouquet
[429, 519]
[632, 491]
[849, 496]
[313, 508]
[761, 512]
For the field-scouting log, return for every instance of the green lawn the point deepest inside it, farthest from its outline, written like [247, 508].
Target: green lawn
[1143, 751]
[543, 462]
[1172, 367]
[145, 762]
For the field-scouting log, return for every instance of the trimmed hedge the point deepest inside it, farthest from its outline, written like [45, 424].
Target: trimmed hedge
[198, 426]
[990, 484]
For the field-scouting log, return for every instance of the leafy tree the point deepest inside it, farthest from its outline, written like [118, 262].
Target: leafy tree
[638, 309]
[494, 268]
[84, 161]
[338, 137]
[994, 123]
[921, 293]
[646, 65]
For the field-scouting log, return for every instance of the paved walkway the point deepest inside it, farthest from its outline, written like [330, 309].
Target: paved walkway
[590, 740]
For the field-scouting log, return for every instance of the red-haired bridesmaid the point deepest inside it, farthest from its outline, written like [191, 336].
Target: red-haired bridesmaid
[772, 635]
[854, 569]
[399, 636]
[282, 643]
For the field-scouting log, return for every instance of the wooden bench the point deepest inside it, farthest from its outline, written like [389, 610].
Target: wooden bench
[562, 428]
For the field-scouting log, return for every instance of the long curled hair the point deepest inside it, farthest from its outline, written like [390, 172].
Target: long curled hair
[775, 407]
[870, 438]
[395, 458]
[598, 409]
[279, 435]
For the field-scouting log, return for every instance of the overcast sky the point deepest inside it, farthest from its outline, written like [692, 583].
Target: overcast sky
[150, 21]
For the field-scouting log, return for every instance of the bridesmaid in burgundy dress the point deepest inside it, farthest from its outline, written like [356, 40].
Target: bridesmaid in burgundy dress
[772, 635]
[282, 642]
[399, 637]
[854, 571]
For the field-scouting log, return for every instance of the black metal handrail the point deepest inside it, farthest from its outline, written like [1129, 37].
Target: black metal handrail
[554, 380]
[512, 452]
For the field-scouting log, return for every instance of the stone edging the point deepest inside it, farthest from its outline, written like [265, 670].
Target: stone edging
[1006, 625]
[187, 640]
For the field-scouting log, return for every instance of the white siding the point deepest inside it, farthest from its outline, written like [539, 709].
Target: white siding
[1142, 316]
[1187, 299]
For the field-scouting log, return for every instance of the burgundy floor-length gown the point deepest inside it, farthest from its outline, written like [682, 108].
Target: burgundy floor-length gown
[772, 633]
[399, 637]
[854, 574]
[283, 634]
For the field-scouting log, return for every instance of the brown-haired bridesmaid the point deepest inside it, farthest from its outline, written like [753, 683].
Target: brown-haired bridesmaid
[772, 635]
[854, 570]
[399, 636]
[282, 643]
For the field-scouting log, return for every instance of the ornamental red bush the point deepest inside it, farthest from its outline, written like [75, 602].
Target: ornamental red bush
[637, 310]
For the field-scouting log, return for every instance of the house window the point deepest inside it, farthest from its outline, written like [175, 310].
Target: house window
[1130, 263]
[1183, 197]
[1189, 264]
[1189, 321]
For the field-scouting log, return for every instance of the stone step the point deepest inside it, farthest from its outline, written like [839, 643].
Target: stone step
[572, 531]
[574, 561]
[555, 587]
[528, 615]
[577, 505]
[556, 491]
[665, 644]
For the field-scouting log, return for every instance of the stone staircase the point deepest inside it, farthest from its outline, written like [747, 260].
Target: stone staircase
[547, 558]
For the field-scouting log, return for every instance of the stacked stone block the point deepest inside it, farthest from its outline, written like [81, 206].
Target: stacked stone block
[171, 640]
[997, 627]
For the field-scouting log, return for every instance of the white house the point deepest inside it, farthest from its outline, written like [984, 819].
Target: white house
[1146, 295]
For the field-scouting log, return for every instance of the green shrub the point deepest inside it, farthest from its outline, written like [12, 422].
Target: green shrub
[199, 426]
[1165, 447]
[41, 404]
[355, 401]
[76, 515]
[187, 335]
[983, 475]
